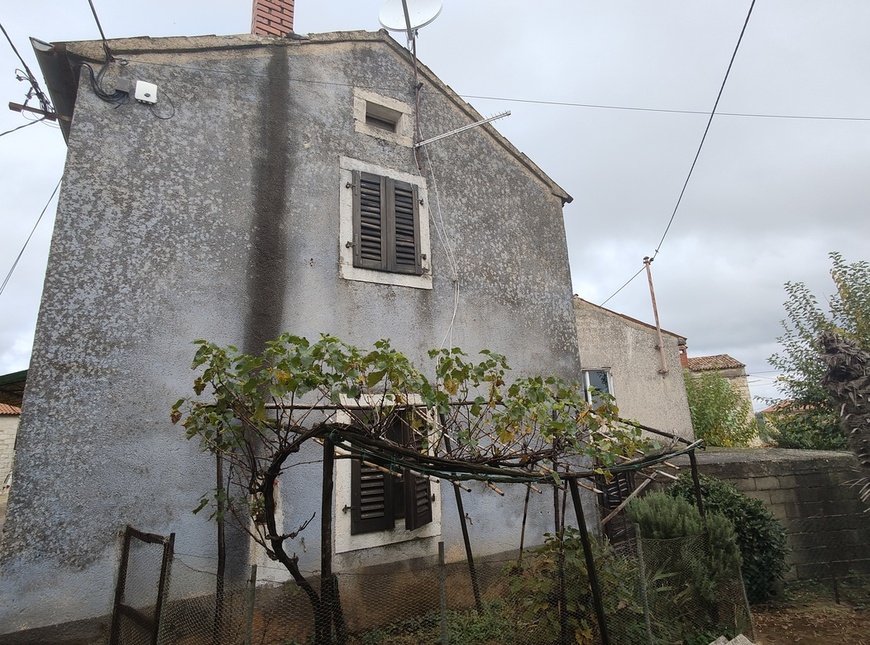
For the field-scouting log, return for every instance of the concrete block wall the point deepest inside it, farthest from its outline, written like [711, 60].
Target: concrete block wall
[811, 493]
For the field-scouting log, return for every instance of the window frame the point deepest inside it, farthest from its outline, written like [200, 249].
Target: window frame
[367, 103]
[350, 268]
[345, 539]
[590, 398]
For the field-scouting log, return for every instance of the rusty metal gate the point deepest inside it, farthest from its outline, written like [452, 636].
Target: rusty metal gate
[143, 582]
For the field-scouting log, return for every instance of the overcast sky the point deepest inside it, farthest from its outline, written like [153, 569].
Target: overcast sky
[770, 196]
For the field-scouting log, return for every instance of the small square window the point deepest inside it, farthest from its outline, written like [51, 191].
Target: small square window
[383, 117]
[379, 116]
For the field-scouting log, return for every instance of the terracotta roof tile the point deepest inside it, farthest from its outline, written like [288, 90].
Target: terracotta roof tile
[717, 362]
[9, 409]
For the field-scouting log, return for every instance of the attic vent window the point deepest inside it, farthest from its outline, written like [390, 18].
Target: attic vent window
[382, 117]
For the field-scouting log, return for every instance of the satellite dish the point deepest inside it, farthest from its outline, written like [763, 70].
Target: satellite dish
[420, 12]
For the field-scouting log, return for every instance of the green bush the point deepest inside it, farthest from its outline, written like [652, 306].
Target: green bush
[694, 559]
[761, 538]
[535, 592]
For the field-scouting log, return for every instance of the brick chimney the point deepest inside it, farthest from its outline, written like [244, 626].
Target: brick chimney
[272, 18]
[684, 353]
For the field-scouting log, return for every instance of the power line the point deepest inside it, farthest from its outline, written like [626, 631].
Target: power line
[102, 35]
[627, 282]
[697, 153]
[35, 89]
[27, 241]
[706, 130]
[3, 134]
[630, 108]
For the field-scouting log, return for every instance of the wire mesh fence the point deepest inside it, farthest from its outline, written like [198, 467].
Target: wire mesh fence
[653, 592]
[141, 588]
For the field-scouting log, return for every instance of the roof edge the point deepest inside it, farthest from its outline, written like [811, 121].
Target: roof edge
[628, 318]
[62, 79]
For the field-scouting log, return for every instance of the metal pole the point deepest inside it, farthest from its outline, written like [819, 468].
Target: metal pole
[590, 562]
[249, 607]
[468, 554]
[442, 592]
[699, 500]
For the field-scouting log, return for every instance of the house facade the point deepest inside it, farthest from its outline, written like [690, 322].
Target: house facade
[9, 416]
[620, 355]
[274, 186]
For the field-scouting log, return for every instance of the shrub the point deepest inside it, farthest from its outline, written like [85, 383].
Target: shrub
[695, 558]
[761, 538]
[535, 592]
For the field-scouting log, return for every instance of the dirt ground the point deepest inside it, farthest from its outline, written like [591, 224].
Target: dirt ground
[811, 616]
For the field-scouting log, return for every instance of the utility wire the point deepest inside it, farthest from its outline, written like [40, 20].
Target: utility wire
[627, 282]
[43, 99]
[629, 108]
[706, 130]
[3, 134]
[27, 241]
[697, 154]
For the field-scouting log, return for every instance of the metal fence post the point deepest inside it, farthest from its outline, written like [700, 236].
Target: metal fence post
[442, 589]
[644, 590]
[249, 606]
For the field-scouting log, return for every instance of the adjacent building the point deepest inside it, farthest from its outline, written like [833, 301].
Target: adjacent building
[622, 356]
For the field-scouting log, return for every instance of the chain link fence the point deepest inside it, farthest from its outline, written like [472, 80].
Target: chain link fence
[654, 591]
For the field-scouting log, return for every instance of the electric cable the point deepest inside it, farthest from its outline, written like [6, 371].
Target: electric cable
[629, 108]
[697, 153]
[44, 102]
[706, 130]
[627, 282]
[29, 123]
[27, 241]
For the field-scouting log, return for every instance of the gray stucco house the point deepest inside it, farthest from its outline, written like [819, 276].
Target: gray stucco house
[621, 356]
[240, 205]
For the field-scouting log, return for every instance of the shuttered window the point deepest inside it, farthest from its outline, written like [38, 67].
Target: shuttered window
[379, 499]
[386, 224]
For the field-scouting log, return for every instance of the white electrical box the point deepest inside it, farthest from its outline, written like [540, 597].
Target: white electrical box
[145, 92]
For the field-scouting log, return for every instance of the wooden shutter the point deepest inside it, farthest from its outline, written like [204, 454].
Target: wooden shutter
[418, 501]
[371, 492]
[386, 224]
[369, 225]
[418, 493]
[406, 244]
[379, 499]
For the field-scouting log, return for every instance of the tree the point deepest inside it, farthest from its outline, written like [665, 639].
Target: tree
[257, 413]
[847, 380]
[721, 416]
[808, 417]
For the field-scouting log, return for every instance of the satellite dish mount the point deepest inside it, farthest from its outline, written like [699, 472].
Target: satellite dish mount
[408, 15]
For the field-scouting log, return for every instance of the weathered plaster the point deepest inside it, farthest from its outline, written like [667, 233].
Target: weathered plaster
[629, 349]
[222, 222]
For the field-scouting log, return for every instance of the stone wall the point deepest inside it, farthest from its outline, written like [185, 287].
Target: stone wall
[810, 492]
